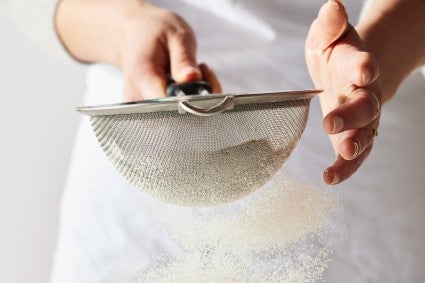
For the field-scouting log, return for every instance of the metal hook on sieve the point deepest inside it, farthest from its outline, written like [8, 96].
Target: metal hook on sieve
[194, 88]
[226, 104]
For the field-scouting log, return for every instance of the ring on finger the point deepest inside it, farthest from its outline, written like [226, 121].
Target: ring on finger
[378, 105]
[374, 133]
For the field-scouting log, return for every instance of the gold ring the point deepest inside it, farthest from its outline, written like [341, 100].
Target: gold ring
[374, 133]
[378, 105]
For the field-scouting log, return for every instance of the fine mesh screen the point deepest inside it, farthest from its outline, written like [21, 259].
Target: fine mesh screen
[191, 160]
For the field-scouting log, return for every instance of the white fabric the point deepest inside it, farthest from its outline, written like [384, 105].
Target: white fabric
[105, 236]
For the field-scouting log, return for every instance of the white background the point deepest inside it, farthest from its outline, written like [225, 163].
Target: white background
[37, 126]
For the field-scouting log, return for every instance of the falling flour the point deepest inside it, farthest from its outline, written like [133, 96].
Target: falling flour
[281, 233]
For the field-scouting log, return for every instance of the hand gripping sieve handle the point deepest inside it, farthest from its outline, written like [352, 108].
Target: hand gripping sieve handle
[196, 88]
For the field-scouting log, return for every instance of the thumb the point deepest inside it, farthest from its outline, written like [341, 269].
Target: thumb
[330, 24]
[182, 52]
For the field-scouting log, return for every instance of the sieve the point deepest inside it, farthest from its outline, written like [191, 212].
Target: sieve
[195, 148]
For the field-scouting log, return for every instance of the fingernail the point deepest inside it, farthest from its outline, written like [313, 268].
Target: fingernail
[190, 71]
[330, 178]
[203, 65]
[356, 149]
[374, 134]
[335, 2]
[338, 124]
[335, 180]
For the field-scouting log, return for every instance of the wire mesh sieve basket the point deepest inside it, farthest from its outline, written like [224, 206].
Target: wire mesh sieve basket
[202, 149]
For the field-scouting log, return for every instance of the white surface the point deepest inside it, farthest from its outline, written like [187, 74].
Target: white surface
[37, 129]
[104, 233]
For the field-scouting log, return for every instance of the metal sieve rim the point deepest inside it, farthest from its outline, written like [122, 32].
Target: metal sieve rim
[202, 100]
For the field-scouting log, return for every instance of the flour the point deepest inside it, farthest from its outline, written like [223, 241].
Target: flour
[190, 160]
[211, 177]
[277, 234]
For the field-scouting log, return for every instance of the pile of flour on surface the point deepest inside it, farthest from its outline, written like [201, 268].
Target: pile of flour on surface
[281, 233]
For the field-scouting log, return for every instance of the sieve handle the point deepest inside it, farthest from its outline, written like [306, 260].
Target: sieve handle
[190, 88]
[227, 103]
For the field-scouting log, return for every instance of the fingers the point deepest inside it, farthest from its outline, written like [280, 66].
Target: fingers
[209, 76]
[353, 130]
[182, 52]
[362, 68]
[145, 81]
[343, 65]
[339, 64]
[358, 111]
[349, 65]
[169, 45]
[342, 169]
[355, 142]
[330, 24]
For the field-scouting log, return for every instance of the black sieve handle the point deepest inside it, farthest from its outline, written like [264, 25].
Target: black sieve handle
[190, 88]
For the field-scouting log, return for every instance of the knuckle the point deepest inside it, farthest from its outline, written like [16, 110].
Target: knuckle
[177, 29]
[366, 68]
[364, 57]
[182, 35]
[180, 31]
[367, 105]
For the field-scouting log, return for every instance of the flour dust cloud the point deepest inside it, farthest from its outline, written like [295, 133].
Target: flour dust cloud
[283, 232]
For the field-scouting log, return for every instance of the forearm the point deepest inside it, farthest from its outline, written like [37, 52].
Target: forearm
[91, 30]
[394, 31]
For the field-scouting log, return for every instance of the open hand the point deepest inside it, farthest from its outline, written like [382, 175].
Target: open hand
[339, 63]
